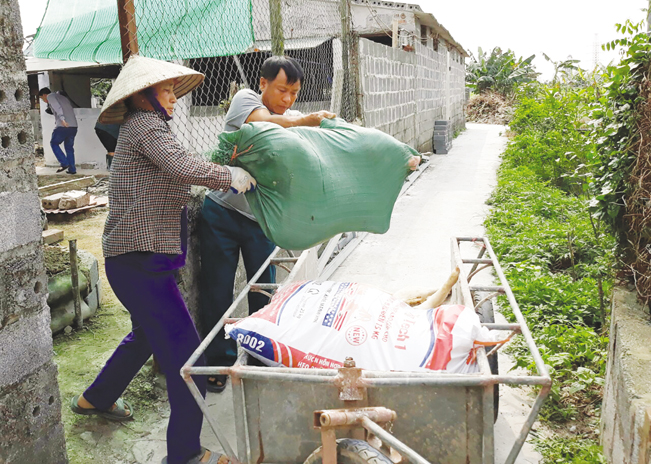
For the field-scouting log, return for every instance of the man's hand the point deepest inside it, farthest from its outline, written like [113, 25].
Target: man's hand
[64, 123]
[414, 162]
[314, 119]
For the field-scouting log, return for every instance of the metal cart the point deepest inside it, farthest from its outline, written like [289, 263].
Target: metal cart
[289, 415]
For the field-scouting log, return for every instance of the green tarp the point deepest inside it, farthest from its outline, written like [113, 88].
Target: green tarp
[316, 182]
[88, 30]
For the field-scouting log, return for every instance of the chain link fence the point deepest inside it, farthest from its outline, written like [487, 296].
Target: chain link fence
[229, 40]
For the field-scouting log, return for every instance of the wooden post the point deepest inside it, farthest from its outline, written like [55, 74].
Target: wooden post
[276, 21]
[74, 275]
[344, 11]
[395, 33]
[128, 29]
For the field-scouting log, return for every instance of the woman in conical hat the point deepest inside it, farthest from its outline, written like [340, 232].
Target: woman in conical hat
[144, 243]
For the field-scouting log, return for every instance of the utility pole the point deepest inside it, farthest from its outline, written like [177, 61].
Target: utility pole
[276, 20]
[648, 17]
[128, 29]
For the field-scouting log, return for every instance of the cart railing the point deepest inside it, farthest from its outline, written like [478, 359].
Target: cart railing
[543, 378]
[304, 269]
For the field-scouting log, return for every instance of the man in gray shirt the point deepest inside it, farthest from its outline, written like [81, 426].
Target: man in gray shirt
[65, 128]
[228, 227]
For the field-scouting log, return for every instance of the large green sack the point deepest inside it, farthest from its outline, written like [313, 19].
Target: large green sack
[316, 182]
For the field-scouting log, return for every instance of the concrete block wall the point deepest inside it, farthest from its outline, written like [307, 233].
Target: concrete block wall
[388, 88]
[404, 93]
[30, 405]
[431, 91]
[457, 92]
[626, 409]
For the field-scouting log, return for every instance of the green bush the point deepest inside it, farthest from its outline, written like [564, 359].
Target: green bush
[557, 257]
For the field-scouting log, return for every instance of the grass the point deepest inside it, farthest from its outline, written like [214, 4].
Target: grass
[81, 354]
[556, 265]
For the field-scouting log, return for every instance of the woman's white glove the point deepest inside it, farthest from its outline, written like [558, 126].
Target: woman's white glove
[241, 180]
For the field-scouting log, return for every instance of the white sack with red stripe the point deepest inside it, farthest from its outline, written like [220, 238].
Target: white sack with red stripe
[319, 324]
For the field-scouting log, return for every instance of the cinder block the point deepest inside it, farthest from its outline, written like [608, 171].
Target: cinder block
[31, 419]
[23, 284]
[21, 219]
[17, 136]
[74, 199]
[17, 175]
[52, 201]
[25, 345]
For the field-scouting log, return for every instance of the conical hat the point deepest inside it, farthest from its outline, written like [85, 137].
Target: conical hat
[140, 73]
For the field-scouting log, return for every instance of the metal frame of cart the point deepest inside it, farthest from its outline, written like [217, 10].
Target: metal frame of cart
[284, 414]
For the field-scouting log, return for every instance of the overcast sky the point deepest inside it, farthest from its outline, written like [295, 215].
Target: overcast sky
[559, 28]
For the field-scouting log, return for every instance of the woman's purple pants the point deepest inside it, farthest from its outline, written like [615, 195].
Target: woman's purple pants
[145, 284]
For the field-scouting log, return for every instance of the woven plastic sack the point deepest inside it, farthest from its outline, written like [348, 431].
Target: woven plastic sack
[318, 324]
[315, 182]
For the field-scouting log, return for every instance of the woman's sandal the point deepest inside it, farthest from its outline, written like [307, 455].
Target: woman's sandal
[217, 383]
[214, 458]
[118, 414]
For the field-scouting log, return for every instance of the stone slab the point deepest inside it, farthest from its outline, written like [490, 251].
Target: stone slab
[51, 236]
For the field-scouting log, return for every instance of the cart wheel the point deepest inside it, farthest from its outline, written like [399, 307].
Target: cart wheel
[487, 315]
[351, 451]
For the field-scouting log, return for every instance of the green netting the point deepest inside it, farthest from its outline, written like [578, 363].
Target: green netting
[316, 182]
[84, 30]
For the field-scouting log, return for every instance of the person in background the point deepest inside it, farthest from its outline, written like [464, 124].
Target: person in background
[144, 244]
[228, 226]
[108, 135]
[65, 128]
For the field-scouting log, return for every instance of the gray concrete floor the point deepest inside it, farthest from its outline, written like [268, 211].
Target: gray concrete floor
[448, 199]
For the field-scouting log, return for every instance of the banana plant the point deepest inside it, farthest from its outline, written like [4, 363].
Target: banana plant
[499, 71]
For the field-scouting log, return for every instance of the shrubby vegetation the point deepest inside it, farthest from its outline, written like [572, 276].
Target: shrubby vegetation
[562, 223]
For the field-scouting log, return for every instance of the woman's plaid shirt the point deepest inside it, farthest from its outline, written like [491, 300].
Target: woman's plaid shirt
[149, 185]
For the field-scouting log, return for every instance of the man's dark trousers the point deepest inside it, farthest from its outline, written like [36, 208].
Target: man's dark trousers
[67, 136]
[224, 233]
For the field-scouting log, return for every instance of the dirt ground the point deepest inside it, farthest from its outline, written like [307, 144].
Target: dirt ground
[81, 354]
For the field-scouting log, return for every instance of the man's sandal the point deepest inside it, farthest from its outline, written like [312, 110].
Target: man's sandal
[119, 413]
[217, 383]
[214, 458]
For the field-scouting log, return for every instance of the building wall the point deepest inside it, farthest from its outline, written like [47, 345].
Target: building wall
[403, 93]
[626, 409]
[30, 405]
